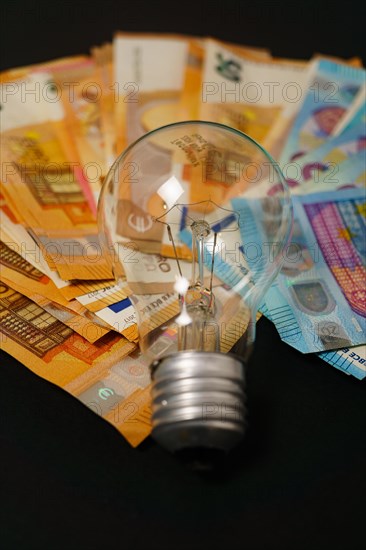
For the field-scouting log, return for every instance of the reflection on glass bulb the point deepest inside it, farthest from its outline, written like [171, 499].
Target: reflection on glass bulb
[208, 237]
[170, 191]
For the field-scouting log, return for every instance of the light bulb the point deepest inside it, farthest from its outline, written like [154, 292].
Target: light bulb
[197, 217]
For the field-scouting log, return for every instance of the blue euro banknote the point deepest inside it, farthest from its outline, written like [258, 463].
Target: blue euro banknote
[326, 167]
[351, 361]
[318, 301]
[329, 155]
[329, 96]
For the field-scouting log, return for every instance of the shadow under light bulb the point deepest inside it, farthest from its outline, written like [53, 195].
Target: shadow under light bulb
[198, 219]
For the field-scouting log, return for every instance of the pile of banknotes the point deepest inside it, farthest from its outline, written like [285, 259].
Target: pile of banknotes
[63, 123]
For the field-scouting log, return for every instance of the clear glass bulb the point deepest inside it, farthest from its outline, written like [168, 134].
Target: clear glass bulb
[197, 217]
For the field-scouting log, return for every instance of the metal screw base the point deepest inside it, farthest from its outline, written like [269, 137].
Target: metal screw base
[198, 400]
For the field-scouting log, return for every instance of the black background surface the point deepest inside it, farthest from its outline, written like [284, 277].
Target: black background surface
[69, 480]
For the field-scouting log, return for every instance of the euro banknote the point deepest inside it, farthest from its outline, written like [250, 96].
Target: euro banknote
[279, 133]
[32, 95]
[21, 276]
[153, 87]
[248, 93]
[81, 324]
[101, 375]
[318, 301]
[323, 161]
[191, 96]
[24, 264]
[329, 95]
[24, 273]
[336, 149]
[73, 84]
[80, 94]
[148, 75]
[40, 178]
[351, 361]
[19, 241]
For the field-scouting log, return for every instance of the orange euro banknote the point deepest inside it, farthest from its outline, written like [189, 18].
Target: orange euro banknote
[102, 375]
[43, 178]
